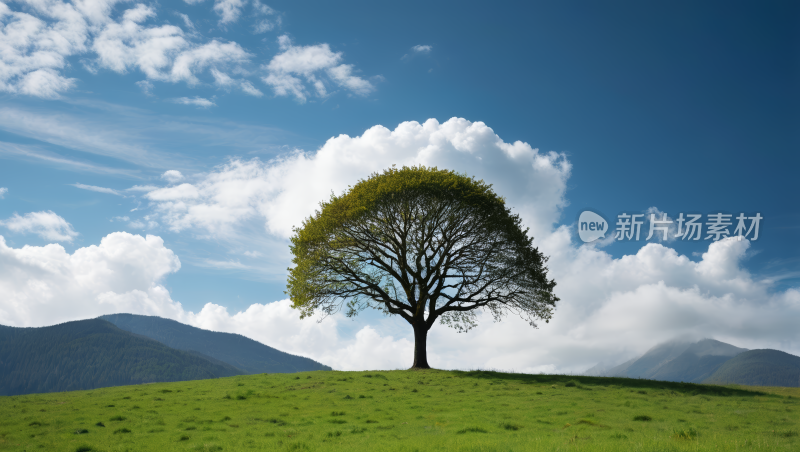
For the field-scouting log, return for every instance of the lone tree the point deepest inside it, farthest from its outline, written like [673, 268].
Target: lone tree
[421, 243]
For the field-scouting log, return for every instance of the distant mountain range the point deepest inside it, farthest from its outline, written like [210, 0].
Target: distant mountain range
[709, 361]
[243, 353]
[125, 349]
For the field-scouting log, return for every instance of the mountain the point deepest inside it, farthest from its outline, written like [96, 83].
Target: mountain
[697, 362]
[89, 354]
[708, 361]
[234, 349]
[759, 368]
[649, 363]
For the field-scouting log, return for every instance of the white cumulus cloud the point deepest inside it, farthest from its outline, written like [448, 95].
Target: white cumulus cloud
[277, 193]
[172, 176]
[36, 43]
[290, 71]
[46, 285]
[47, 225]
[3, 191]
[228, 10]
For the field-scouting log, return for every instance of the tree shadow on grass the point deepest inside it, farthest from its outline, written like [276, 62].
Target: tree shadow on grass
[585, 382]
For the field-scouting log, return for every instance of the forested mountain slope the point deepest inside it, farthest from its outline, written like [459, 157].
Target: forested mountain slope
[241, 352]
[89, 354]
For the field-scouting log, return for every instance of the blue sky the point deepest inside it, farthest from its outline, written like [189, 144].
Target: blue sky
[625, 107]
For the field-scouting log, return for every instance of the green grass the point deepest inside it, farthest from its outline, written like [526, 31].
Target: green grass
[405, 411]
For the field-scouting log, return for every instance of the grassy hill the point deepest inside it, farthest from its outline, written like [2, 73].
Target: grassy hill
[760, 367]
[90, 354]
[405, 411]
[241, 352]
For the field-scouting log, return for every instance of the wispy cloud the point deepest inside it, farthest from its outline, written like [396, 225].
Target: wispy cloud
[109, 191]
[268, 18]
[418, 50]
[3, 191]
[143, 188]
[28, 152]
[146, 86]
[196, 101]
[136, 136]
[46, 225]
[85, 133]
[223, 265]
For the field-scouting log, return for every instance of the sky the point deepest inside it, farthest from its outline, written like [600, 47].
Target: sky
[154, 158]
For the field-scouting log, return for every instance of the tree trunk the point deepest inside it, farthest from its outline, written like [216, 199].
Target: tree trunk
[420, 347]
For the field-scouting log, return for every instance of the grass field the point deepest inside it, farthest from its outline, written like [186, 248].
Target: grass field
[405, 411]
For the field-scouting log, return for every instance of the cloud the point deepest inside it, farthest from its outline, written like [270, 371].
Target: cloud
[186, 21]
[269, 193]
[109, 191]
[33, 50]
[3, 191]
[35, 45]
[223, 80]
[92, 133]
[613, 309]
[46, 225]
[228, 10]
[129, 134]
[196, 101]
[418, 50]
[46, 285]
[172, 176]
[288, 70]
[33, 152]
[248, 88]
[146, 87]
[143, 188]
[269, 17]
[223, 265]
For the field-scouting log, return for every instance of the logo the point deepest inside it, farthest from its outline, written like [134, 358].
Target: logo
[591, 226]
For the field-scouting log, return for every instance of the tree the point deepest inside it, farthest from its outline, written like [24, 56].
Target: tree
[422, 243]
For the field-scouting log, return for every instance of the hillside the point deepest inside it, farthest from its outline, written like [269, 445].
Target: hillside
[243, 353]
[89, 354]
[407, 410]
[697, 362]
[708, 361]
[759, 368]
[653, 359]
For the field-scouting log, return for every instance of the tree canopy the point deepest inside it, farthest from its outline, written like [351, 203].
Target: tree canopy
[422, 243]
